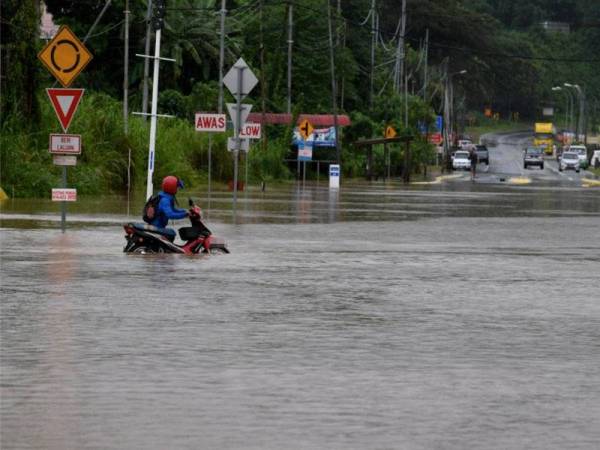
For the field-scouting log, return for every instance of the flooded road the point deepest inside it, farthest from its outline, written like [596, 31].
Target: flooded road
[447, 316]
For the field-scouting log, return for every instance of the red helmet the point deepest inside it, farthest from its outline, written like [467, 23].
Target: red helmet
[170, 184]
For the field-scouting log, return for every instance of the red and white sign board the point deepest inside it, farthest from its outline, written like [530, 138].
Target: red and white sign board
[65, 144]
[215, 123]
[435, 138]
[65, 103]
[250, 131]
[64, 195]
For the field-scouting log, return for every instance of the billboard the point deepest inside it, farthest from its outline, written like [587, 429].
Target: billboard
[320, 137]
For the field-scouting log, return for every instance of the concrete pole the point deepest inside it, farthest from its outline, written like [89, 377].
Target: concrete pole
[333, 85]
[147, 61]
[425, 66]
[152, 145]
[373, 43]
[126, 69]
[221, 54]
[289, 68]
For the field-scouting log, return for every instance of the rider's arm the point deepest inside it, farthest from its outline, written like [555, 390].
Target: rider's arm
[170, 212]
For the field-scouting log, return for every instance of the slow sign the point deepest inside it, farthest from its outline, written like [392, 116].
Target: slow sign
[250, 131]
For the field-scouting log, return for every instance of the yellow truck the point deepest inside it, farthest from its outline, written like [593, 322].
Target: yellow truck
[544, 136]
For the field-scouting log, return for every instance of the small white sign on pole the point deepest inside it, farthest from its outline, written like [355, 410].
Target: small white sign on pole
[334, 176]
[244, 144]
[215, 123]
[64, 160]
[64, 195]
[65, 144]
[250, 131]
[305, 151]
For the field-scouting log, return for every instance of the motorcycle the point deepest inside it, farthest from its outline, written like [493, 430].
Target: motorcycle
[143, 238]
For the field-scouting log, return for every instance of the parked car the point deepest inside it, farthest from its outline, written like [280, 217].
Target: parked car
[533, 156]
[569, 161]
[582, 153]
[483, 156]
[460, 160]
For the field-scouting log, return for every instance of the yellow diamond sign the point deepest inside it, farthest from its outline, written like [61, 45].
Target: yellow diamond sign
[65, 56]
[306, 129]
[390, 132]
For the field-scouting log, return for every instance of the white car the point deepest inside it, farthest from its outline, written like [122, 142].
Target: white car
[569, 160]
[461, 160]
[582, 153]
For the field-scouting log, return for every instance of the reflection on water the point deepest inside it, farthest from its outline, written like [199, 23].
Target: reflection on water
[367, 317]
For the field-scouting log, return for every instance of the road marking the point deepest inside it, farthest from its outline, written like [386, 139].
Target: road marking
[439, 179]
[519, 180]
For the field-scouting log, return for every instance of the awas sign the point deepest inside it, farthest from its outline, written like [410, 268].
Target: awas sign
[250, 131]
[64, 195]
[215, 123]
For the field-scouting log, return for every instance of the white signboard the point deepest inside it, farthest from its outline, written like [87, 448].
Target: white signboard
[250, 131]
[215, 123]
[232, 144]
[334, 176]
[65, 144]
[64, 195]
[305, 151]
[232, 79]
[64, 160]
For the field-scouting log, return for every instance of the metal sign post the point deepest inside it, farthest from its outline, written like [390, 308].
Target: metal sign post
[240, 80]
[65, 57]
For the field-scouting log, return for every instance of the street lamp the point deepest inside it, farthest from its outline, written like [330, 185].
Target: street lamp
[568, 101]
[580, 119]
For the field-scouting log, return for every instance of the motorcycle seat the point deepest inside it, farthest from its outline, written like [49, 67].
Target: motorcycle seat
[169, 233]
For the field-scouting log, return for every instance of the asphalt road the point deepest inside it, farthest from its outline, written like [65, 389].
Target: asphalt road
[506, 164]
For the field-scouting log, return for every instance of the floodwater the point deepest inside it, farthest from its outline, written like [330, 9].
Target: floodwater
[449, 316]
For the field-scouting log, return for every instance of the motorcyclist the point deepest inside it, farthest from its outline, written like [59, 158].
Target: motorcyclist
[166, 206]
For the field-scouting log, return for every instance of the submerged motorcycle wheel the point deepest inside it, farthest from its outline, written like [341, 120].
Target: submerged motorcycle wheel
[144, 250]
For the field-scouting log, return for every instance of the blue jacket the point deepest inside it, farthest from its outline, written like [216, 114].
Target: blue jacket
[167, 210]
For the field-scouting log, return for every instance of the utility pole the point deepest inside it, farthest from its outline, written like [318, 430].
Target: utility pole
[399, 68]
[333, 87]
[290, 43]
[126, 69]
[222, 54]
[147, 60]
[373, 43]
[263, 89]
[425, 66]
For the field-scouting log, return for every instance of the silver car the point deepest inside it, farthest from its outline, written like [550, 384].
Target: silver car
[569, 161]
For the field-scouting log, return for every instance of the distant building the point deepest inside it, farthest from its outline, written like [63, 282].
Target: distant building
[556, 27]
[47, 27]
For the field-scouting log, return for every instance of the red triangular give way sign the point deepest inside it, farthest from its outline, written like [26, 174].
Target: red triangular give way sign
[65, 102]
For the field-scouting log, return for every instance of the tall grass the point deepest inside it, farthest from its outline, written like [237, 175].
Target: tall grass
[26, 166]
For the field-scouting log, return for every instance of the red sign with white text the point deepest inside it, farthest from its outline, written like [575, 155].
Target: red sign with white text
[65, 103]
[215, 123]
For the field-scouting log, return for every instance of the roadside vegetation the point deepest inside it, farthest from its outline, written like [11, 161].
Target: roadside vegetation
[507, 63]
